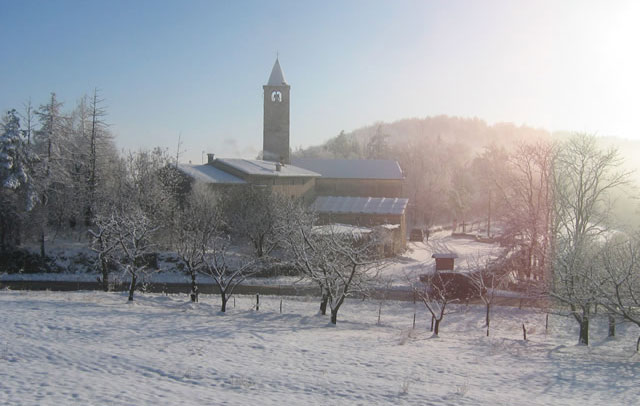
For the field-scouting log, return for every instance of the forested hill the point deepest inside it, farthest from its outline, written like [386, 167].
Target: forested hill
[379, 140]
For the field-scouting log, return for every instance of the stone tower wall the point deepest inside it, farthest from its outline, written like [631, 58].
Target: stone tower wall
[276, 124]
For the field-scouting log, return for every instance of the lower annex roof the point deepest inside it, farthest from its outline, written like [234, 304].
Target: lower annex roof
[364, 205]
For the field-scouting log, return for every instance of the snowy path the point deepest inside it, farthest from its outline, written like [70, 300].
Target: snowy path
[92, 348]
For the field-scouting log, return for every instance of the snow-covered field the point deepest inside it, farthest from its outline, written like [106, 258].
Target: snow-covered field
[93, 348]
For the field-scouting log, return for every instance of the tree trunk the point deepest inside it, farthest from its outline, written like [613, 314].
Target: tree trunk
[105, 274]
[584, 328]
[489, 220]
[132, 287]
[436, 327]
[334, 316]
[487, 317]
[2, 237]
[224, 297]
[194, 288]
[323, 303]
[42, 252]
[612, 326]
[16, 234]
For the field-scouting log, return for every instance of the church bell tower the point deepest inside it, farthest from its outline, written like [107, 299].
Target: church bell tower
[275, 145]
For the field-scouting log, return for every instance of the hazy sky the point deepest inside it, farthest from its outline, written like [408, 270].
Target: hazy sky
[197, 67]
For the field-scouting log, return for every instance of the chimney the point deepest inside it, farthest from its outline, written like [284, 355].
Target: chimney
[210, 158]
[278, 166]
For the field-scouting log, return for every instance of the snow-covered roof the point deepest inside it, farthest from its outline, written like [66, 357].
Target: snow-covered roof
[265, 168]
[389, 227]
[341, 229]
[277, 76]
[365, 205]
[209, 174]
[445, 255]
[352, 168]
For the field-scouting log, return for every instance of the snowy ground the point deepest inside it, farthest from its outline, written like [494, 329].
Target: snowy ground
[92, 348]
[405, 269]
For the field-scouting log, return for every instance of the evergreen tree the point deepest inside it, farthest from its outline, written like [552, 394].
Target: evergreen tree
[17, 194]
[51, 175]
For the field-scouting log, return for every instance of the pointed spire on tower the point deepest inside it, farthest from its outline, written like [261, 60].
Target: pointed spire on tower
[277, 76]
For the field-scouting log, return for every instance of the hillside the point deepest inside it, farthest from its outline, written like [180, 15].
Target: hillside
[469, 135]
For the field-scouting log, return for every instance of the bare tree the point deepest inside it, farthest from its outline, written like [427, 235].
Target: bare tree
[28, 118]
[97, 135]
[525, 189]
[104, 244]
[487, 278]
[342, 262]
[192, 230]
[583, 178]
[227, 268]
[460, 195]
[619, 285]
[301, 248]
[131, 234]
[437, 293]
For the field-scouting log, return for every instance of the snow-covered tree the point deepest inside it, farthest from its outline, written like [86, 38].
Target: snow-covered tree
[94, 145]
[227, 267]
[253, 213]
[51, 175]
[486, 278]
[618, 286]
[129, 219]
[343, 262]
[218, 257]
[130, 233]
[583, 178]
[301, 250]
[193, 228]
[437, 293]
[17, 192]
[104, 243]
[525, 190]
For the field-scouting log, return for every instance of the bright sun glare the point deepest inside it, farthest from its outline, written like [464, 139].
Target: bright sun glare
[612, 74]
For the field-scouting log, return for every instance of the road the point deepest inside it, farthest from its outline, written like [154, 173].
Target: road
[208, 288]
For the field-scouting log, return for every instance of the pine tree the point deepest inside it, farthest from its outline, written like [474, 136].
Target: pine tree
[17, 194]
[51, 174]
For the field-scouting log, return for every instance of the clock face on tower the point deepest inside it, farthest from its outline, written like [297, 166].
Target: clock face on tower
[276, 96]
